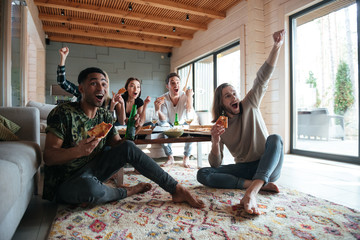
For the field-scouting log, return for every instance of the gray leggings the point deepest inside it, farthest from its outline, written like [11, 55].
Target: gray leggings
[86, 185]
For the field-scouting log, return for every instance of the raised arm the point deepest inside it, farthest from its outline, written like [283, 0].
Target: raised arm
[189, 99]
[275, 51]
[64, 52]
[61, 77]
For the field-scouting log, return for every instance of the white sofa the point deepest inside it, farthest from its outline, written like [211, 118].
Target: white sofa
[44, 110]
[19, 165]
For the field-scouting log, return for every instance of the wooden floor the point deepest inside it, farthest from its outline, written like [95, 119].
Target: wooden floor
[336, 182]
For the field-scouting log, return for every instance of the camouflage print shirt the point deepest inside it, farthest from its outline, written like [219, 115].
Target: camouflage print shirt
[68, 122]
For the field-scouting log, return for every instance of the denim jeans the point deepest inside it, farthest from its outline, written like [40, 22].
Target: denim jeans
[168, 150]
[86, 185]
[233, 176]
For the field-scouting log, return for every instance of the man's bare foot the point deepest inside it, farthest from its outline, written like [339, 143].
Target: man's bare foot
[183, 195]
[270, 187]
[186, 163]
[249, 203]
[139, 188]
[169, 162]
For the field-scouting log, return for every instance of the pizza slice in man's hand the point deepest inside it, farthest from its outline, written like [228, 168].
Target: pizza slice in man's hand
[100, 130]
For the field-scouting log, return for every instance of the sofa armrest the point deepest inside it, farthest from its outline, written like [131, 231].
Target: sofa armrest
[28, 118]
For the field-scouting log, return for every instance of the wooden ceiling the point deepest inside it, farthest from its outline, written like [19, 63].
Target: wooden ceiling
[146, 25]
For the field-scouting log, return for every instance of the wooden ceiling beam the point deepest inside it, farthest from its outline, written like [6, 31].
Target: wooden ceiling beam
[96, 34]
[112, 26]
[86, 8]
[105, 43]
[179, 7]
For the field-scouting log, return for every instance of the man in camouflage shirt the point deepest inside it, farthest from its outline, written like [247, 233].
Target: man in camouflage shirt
[77, 165]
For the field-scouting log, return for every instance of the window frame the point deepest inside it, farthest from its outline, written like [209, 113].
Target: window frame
[293, 112]
[213, 54]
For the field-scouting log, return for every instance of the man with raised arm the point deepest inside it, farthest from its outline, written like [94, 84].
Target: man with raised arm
[258, 157]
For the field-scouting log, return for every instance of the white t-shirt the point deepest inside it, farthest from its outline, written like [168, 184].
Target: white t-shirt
[169, 110]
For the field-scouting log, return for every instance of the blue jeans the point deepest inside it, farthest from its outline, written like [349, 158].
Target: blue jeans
[233, 176]
[86, 185]
[168, 150]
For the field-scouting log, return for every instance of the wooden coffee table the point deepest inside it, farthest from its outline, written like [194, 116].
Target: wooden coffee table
[186, 137]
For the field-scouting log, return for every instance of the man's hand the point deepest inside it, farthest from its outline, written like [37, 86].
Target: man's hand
[86, 146]
[189, 93]
[216, 132]
[158, 102]
[279, 38]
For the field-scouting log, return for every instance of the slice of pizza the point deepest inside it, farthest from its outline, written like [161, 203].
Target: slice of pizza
[223, 121]
[121, 91]
[161, 99]
[100, 130]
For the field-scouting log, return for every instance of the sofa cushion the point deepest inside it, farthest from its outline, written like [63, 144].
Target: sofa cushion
[44, 108]
[10, 188]
[13, 127]
[6, 134]
[25, 155]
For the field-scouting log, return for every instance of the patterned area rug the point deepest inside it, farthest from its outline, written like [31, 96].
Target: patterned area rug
[152, 215]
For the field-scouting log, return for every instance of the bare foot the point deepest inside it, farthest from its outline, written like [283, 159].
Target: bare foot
[183, 195]
[249, 203]
[270, 187]
[186, 163]
[139, 188]
[169, 162]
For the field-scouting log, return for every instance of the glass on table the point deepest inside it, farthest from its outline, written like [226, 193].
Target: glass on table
[189, 117]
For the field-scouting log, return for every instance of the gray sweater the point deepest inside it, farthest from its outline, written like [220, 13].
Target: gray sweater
[247, 133]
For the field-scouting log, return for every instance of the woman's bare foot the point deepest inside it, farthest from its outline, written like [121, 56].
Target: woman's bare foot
[139, 188]
[270, 187]
[169, 162]
[186, 163]
[183, 195]
[249, 203]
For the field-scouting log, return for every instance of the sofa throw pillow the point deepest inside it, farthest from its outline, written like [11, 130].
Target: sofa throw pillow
[13, 127]
[6, 134]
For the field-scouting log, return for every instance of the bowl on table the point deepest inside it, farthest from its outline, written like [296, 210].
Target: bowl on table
[174, 132]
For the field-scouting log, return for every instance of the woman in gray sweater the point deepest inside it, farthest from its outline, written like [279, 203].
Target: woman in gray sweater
[258, 156]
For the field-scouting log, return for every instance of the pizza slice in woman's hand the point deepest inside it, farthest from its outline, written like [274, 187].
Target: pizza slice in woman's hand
[100, 130]
[121, 91]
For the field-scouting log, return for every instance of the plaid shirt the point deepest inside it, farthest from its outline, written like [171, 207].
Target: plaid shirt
[67, 85]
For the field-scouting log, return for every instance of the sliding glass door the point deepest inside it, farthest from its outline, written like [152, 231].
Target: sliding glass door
[325, 81]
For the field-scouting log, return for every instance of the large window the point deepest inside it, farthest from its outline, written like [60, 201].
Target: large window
[206, 73]
[325, 81]
[16, 41]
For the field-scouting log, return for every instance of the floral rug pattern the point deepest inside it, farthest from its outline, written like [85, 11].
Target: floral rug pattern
[151, 215]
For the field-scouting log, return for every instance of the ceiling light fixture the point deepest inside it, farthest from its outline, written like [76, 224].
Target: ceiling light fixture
[187, 17]
[130, 7]
[122, 21]
[62, 12]
[174, 29]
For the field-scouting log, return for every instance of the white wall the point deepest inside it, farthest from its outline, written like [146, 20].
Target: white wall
[252, 22]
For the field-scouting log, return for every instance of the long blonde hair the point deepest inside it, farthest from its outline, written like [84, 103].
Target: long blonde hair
[107, 97]
[218, 107]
